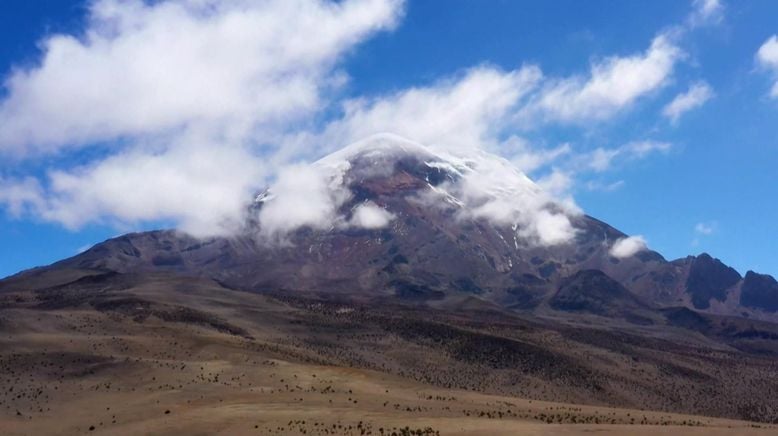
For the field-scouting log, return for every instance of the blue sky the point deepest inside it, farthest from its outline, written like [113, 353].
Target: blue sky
[705, 180]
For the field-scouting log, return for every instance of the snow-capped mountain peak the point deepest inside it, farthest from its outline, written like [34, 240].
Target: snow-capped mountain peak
[477, 184]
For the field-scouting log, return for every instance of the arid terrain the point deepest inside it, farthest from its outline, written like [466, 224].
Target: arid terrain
[112, 353]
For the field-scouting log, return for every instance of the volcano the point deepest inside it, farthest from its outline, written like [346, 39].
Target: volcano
[449, 228]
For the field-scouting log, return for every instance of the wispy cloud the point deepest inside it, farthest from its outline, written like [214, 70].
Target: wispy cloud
[21, 196]
[571, 169]
[703, 230]
[706, 12]
[466, 111]
[628, 247]
[707, 228]
[603, 159]
[696, 96]
[594, 185]
[612, 85]
[767, 58]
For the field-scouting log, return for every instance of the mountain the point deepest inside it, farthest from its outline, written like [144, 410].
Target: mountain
[408, 285]
[462, 226]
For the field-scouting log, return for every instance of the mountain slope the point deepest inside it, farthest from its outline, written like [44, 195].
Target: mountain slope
[127, 347]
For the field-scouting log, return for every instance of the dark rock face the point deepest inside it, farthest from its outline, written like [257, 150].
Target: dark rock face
[594, 292]
[759, 291]
[709, 278]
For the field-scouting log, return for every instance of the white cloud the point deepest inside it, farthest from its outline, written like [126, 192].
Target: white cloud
[706, 12]
[627, 247]
[768, 52]
[231, 67]
[201, 187]
[612, 85]
[767, 58]
[303, 195]
[551, 228]
[702, 230]
[696, 96]
[705, 229]
[557, 183]
[602, 159]
[641, 149]
[497, 191]
[593, 185]
[467, 112]
[371, 216]
[528, 158]
[20, 196]
[571, 167]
